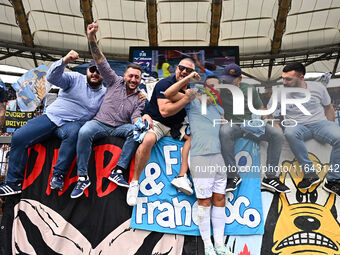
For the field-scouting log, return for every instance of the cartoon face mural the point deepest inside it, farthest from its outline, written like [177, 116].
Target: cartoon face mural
[307, 221]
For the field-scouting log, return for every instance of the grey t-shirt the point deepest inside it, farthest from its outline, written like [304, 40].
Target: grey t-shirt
[319, 99]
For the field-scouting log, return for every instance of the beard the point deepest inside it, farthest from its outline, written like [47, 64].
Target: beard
[93, 85]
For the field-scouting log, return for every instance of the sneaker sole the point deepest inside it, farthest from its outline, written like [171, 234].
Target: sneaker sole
[56, 187]
[329, 190]
[273, 188]
[232, 189]
[11, 193]
[183, 190]
[81, 193]
[315, 182]
[119, 184]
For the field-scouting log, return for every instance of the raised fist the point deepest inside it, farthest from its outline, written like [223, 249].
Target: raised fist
[70, 57]
[194, 76]
[92, 30]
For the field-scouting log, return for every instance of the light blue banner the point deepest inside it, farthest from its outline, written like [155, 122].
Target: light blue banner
[31, 88]
[162, 208]
[244, 205]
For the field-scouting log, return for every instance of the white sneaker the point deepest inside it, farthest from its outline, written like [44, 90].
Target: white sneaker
[209, 250]
[132, 194]
[182, 183]
[222, 250]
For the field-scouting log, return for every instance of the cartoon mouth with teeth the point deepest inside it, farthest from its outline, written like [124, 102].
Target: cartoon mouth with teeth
[307, 221]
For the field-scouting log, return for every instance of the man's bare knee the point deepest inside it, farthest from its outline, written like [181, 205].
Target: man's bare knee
[218, 199]
[149, 140]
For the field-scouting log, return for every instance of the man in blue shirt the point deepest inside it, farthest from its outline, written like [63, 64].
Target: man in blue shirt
[78, 102]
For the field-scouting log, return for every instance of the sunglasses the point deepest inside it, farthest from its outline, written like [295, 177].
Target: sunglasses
[188, 69]
[93, 69]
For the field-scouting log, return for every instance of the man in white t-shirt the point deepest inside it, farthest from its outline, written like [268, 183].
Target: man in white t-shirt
[318, 125]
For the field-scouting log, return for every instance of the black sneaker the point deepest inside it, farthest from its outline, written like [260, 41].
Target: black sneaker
[332, 186]
[308, 181]
[232, 183]
[9, 188]
[275, 184]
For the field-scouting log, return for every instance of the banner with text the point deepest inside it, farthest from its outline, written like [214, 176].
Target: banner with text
[162, 208]
[15, 120]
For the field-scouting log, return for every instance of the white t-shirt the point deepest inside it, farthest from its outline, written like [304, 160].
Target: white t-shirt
[319, 99]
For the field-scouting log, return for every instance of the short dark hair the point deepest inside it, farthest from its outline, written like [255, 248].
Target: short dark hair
[212, 77]
[295, 66]
[134, 66]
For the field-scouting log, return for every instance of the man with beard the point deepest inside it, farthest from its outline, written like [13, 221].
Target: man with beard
[78, 102]
[120, 109]
[319, 125]
[167, 117]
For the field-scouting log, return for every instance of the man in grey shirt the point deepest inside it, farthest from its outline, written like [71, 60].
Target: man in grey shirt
[120, 109]
[319, 125]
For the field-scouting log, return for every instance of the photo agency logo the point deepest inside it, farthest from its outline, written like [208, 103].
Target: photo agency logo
[238, 104]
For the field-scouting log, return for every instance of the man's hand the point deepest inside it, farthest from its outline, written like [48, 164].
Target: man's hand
[142, 96]
[70, 57]
[194, 76]
[190, 95]
[148, 118]
[92, 30]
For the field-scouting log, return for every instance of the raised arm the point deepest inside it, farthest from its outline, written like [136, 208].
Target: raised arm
[97, 55]
[172, 93]
[198, 63]
[55, 74]
[103, 66]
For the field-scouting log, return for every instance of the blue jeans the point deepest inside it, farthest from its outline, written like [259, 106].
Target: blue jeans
[323, 131]
[35, 131]
[93, 130]
[273, 135]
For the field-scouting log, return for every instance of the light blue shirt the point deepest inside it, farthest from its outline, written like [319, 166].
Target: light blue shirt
[204, 134]
[76, 101]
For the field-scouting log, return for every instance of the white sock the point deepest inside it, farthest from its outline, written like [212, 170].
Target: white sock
[204, 224]
[83, 178]
[218, 218]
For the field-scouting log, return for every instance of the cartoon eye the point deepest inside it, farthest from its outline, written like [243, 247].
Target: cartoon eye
[299, 196]
[313, 197]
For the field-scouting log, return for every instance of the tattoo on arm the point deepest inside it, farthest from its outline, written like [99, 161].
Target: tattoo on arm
[96, 53]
